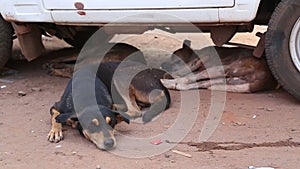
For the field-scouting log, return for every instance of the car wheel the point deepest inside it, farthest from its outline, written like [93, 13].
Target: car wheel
[283, 45]
[6, 39]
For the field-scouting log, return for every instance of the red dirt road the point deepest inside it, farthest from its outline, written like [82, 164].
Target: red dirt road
[270, 117]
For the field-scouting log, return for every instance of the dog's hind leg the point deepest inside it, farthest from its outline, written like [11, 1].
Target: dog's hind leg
[55, 134]
[198, 85]
[209, 73]
[160, 101]
[183, 82]
[118, 107]
[233, 84]
[125, 97]
[134, 110]
[240, 88]
[188, 68]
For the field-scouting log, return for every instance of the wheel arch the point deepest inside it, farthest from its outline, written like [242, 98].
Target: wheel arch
[265, 10]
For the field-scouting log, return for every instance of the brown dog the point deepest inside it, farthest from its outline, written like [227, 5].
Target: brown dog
[64, 66]
[236, 71]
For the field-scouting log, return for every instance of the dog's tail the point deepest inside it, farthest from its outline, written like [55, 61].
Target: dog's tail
[161, 101]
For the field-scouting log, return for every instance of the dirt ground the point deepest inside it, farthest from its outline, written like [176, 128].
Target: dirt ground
[260, 129]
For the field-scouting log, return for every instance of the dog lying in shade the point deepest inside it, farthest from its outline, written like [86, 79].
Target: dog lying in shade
[64, 66]
[87, 118]
[96, 119]
[237, 71]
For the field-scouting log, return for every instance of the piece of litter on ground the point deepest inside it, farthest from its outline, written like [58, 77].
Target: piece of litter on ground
[237, 123]
[74, 152]
[156, 142]
[270, 109]
[167, 126]
[3, 86]
[32, 131]
[182, 153]
[254, 116]
[167, 155]
[252, 167]
[98, 167]
[58, 146]
[36, 89]
[21, 93]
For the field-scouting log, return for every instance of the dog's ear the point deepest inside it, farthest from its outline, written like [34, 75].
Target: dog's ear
[186, 44]
[114, 116]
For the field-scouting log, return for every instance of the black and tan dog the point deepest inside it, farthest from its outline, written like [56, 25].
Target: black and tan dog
[95, 120]
[145, 89]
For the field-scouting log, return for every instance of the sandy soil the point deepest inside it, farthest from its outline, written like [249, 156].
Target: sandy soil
[260, 129]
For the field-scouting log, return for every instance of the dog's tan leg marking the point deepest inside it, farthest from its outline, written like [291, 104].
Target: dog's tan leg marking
[55, 134]
[133, 109]
[128, 95]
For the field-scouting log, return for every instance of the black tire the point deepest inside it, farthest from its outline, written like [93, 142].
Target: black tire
[6, 40]
[284, 19]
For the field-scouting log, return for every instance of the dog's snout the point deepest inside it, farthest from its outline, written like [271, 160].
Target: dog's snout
[109, 143]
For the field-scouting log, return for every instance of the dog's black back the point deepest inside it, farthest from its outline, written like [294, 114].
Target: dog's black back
[144, 83]
[66, 105]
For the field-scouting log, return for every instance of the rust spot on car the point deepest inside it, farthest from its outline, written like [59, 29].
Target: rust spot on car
[81, 13]
[79, 5]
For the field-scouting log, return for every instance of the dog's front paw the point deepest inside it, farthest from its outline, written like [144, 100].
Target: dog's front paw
[55, 134]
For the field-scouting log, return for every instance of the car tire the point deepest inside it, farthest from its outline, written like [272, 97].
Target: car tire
[283, 45]
[6, 40]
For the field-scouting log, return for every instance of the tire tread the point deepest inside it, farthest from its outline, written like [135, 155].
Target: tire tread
[273, 24]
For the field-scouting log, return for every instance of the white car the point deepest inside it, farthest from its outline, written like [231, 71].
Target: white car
[76, 20]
